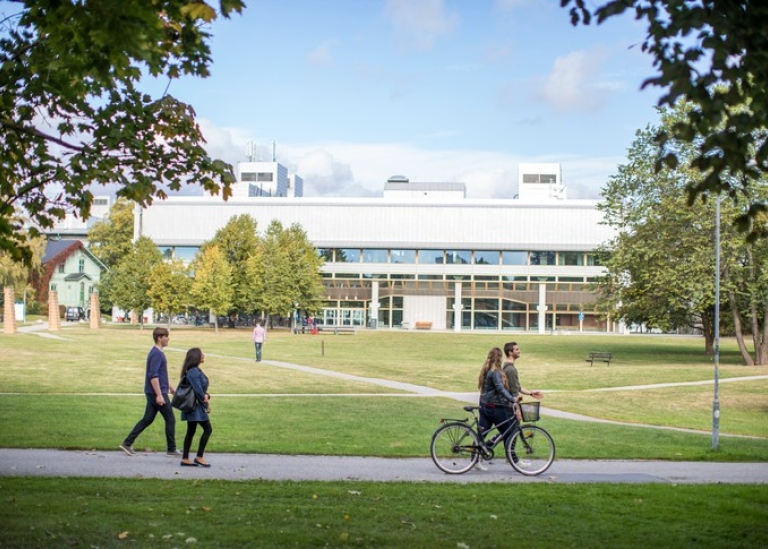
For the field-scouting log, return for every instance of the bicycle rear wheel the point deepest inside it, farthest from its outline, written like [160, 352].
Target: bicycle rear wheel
[530, 450]
[454, 448]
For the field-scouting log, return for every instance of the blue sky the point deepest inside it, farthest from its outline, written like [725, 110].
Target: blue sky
[354, 91]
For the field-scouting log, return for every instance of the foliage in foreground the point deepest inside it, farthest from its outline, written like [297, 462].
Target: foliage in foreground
[715, 54]
[73, 115]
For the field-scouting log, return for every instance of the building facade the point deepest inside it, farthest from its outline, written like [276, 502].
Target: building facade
[443, 260]
[71, 270]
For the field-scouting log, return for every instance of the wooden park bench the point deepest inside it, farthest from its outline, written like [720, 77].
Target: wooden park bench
[423, 325]
[602, 356]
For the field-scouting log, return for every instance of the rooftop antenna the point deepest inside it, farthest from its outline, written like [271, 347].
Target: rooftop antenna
[250, 151]
[274, 155]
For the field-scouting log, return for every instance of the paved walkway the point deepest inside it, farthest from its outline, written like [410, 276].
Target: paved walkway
[52, 463]
[57, 463]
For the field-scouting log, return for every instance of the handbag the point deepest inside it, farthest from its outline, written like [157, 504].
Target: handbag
[184, 398]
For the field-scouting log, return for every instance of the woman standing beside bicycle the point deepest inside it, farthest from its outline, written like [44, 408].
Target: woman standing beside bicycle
[495, 398]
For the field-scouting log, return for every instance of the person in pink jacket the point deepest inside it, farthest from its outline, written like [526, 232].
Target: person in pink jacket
[259, 338]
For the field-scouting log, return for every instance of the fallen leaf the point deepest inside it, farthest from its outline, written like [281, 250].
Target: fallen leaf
[122, 535]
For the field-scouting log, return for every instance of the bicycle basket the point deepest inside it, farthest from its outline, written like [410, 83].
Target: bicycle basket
[530, 411]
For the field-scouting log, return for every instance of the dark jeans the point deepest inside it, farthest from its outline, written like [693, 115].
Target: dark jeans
[495, 416]
[150, 412]
[191, 428]
[258, 351]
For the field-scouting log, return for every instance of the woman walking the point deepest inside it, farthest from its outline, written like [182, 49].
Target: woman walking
[199, 416]
[496, 400]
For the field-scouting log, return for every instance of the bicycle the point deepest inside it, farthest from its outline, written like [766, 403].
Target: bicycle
[457, 446]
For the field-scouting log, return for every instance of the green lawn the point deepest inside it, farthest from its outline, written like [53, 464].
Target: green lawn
[90, 382]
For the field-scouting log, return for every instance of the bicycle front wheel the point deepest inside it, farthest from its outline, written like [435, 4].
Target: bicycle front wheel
[530, 450]
[454, 448]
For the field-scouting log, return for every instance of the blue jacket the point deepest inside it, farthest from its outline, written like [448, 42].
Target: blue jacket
[199, 382]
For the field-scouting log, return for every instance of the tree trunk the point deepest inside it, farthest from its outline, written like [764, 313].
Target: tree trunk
[737, 328]
[761, 347]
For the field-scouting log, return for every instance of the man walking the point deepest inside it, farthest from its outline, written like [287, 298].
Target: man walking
[259, 338]
[512, 353]
[156, 389]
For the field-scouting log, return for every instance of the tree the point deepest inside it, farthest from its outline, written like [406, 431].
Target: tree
[660, 267]
[212, 284]
[71, 113]
[714, 54]
[18, 275]
[111, 240]
[238, 241]
[169, 285]
[286, 271]
[127, 284]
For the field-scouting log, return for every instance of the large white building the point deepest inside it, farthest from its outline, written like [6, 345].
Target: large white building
[425, 254]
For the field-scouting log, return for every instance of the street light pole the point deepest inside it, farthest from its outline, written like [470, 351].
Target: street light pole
[716, 401]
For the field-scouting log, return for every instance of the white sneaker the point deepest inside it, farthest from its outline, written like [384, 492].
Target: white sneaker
[482, 466]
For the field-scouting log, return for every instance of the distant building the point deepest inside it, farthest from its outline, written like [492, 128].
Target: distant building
[75, 227]
[257, 179]
[540, 182]
[399, 187]
[71, 270]
[424, 253]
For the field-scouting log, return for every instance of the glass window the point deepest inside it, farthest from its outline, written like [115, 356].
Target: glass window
[403, 256]
[543, 258]
[430, 257]
[264, 176]
[325, 253]
[570, 258]
[593, 260]
[458, 257]
[348, 255]
[397, 302]
[186, 253]
[509, 305]
[486, 304]
[166, 252]
[375, 256]
[486, 258]
[514, 258]
[61, 267]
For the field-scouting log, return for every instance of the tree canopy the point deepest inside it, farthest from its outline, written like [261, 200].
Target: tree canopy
[72, 113]
[714, 53]
[661, 265]
[238, 241]
[112, 239]
[127, 284]
[286, 271]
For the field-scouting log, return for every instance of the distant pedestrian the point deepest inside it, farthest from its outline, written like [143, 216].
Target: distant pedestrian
[199, 416]
[156, 389]
[259, 338]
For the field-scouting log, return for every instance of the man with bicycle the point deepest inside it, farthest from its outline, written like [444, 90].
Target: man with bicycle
[512, 353]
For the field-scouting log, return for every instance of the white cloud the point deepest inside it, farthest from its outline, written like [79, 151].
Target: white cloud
[422, 21]
[322, 56]
[571, 87]
[362, 169]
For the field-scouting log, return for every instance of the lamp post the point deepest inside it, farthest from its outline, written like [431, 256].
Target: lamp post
[716, 400]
